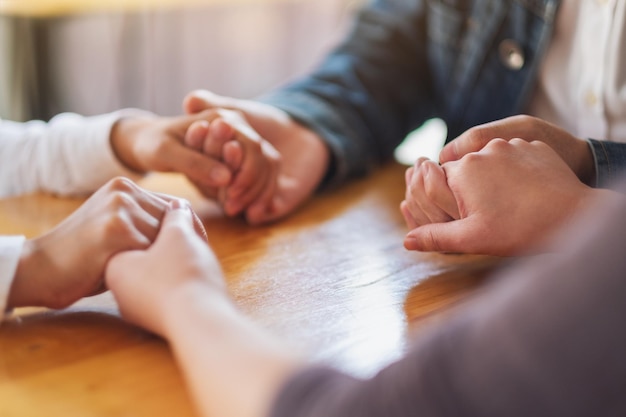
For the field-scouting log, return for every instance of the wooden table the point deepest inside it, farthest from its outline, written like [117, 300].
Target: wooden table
[333, 279]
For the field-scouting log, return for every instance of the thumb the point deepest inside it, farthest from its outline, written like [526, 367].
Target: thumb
[472, 140]
[449, 153]
[200, 100]
[453, 236]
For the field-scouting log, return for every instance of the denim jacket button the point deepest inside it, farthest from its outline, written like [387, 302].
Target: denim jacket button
[511, 55]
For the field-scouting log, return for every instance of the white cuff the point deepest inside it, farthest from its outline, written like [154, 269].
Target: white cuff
[10, 251]
[97, 163]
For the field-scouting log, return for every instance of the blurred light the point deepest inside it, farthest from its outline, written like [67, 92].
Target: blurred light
[64, 7]
[426, 141]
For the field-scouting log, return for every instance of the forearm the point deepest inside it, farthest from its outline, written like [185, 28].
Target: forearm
[231, 366]
[370, 92]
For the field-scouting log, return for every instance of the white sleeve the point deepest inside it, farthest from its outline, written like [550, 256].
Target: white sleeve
[10, 250]
[70, 155]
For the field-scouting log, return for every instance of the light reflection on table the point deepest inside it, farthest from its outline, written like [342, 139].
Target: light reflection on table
[332, 279]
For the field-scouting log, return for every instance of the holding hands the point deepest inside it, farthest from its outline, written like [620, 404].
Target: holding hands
[253, 158]
[278, 163]
[145, 144]
[145, 280]
[497, 196]
[253, 162]
[572, 150]
[68, 263]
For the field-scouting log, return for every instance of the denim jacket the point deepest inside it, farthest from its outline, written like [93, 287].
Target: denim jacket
[467, 62]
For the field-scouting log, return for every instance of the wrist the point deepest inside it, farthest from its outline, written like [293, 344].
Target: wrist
[124, 136]
[226, 356]
[196, 298]
[25, 290]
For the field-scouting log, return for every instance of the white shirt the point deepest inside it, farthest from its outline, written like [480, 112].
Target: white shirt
[10, 250]
[70, 155]
[582, 81]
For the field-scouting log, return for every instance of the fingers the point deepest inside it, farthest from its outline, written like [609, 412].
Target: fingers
[471, 140]
[211, 139]
[200, 100]
[133, 227]
[428, 197]
[233, 155]
[408, 217]
[196, 134]
[253, 161]
[459, 236]
[218, 134]
[179, 214]
[199, 228]
[474, 139]
[438, 192]
[180, 218]
[258, 211]
[201, 169]
[216, 139]
[154, 204]
[431, 238]
[138, 214]
[257, 176]
[130, 214]
[198, 225]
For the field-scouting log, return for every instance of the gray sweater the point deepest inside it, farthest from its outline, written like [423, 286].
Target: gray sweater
[545, 338]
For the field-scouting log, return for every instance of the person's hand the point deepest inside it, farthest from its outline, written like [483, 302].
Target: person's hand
[157, 144]
[304, 156]
[176, 290]
[144, 281]
[67, 263]
[254, 163]
[511, 195]
[428, 197]
[574, 151]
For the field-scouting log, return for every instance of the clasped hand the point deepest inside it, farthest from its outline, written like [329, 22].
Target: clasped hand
[494, 193]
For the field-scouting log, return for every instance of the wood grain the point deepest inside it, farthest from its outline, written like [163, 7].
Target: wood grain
[332, 279]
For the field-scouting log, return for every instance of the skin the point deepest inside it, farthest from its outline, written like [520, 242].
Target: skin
[429, 198]
[254, 163]
[158, 144]
[574, 151]
[181, 291]
[67, 263]
[498, 213]
[304, 156]
[176, 290]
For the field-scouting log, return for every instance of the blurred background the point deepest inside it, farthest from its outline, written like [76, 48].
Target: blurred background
[95, 56]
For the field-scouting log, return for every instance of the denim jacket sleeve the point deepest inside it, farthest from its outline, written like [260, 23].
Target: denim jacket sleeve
[364, 98]
[610, 160]
[406, 61]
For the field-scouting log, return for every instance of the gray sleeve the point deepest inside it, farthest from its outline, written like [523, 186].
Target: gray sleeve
[545, 338]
